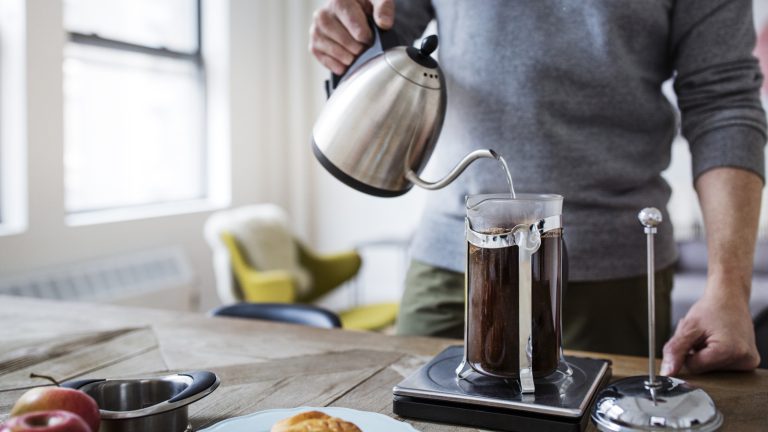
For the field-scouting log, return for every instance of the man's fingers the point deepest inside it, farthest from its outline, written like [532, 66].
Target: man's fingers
[687, 336]
[325, 45]
[384, 13]
[717, 356]
[352, 16]
[330, 42]
[331, 63]
[327, 24]
[707, 359]
[340, 30]
[367, 7]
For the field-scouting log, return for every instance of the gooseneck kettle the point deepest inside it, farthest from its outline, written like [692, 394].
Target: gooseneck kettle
[383, 117]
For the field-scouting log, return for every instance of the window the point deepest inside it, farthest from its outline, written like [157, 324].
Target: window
[13, 174]
[134, 104]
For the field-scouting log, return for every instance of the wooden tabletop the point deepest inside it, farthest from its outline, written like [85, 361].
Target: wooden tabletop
[263, 365]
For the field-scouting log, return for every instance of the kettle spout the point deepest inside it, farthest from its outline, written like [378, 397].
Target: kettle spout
[455, 172]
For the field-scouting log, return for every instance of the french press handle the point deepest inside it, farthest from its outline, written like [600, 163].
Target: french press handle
[382, 41]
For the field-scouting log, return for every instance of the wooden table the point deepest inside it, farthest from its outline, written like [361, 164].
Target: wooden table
[262, 365]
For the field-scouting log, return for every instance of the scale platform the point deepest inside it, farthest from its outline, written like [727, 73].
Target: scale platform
[561, 402]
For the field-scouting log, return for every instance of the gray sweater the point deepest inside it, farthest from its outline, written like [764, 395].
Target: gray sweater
[569, 91]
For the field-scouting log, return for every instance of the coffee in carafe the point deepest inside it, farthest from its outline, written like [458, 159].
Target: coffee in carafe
[513, 283]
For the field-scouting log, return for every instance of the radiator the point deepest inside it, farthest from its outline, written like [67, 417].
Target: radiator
[154, 278]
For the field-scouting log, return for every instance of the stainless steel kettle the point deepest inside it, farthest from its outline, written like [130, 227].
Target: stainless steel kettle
[383, 117]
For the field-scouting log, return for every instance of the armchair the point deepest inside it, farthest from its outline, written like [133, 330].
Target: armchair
[240, 279]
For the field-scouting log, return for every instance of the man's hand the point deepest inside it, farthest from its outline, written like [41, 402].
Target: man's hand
[340, 30]
[717, 333]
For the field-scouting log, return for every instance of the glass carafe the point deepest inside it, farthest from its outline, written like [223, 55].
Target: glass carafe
[513, 285]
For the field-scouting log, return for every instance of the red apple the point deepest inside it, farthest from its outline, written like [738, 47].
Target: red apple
[59, 398]
[46, 421]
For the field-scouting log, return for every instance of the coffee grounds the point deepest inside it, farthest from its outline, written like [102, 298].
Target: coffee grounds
[492, 322]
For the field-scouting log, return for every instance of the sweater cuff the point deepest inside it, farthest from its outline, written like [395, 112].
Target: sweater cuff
[734, 146]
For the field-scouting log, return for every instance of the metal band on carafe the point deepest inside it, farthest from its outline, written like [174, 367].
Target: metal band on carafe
[507, 238]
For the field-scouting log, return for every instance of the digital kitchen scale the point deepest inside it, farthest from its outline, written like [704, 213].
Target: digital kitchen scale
[560, 403]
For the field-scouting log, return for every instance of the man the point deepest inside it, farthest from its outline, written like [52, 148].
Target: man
[570, 93]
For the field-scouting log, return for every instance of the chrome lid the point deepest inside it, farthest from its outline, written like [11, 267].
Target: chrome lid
[417, 65]
[631, 405]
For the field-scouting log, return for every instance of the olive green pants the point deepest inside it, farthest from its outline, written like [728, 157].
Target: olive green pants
[606, 316]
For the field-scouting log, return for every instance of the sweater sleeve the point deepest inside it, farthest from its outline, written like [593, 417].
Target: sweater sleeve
[718, 83]
[412, 17]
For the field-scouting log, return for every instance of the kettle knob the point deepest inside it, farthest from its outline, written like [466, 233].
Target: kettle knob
[428, 45]
[423, 55]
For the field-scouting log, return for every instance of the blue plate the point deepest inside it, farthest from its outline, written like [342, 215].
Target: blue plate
[262, 421]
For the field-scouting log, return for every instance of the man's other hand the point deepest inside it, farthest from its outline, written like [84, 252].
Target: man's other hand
[716, 334]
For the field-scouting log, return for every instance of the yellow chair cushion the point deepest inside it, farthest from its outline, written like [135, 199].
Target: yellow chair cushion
[370, 317]
[273, 286]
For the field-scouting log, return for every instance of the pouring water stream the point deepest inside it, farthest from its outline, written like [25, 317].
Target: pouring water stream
[508, 175]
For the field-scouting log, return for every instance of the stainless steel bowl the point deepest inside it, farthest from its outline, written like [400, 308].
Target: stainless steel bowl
[147, 404]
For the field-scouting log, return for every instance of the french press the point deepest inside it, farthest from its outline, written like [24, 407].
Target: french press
[514, 279]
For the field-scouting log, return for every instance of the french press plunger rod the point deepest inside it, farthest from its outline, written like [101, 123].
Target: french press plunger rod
[650, 217]
[654, 403]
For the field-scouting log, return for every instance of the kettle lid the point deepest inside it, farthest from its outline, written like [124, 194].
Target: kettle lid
[416, 64]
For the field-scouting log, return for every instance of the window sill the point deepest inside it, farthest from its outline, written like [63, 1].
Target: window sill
[142, 212]
[10, 230]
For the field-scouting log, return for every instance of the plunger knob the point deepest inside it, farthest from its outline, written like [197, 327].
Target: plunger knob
[650, 217]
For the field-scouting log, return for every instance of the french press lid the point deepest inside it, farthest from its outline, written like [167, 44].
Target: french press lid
[651, 402]
[629, 405]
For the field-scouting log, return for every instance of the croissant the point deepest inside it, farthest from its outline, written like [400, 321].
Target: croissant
[314, 421]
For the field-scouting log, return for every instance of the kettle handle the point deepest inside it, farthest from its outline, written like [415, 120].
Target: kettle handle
[382, 41]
